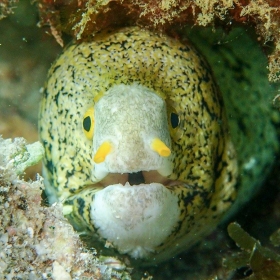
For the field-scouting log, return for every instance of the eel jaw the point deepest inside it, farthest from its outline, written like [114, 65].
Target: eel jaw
[137, 178]
[135, 220]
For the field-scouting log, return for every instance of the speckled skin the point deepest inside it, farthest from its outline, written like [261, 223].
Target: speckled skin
[204, 159]
[240, 68]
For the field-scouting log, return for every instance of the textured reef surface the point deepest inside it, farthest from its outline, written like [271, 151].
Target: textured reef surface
[36, 241]
[24, 60]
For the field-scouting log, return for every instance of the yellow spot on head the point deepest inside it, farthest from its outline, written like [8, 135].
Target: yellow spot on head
[102, 152]
[159, 147]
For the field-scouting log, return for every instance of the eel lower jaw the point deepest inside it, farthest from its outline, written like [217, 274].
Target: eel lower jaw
[137, 178]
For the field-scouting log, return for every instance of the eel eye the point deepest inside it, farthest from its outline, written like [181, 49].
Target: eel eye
[174, 120]
[174, 113]
[88, 123]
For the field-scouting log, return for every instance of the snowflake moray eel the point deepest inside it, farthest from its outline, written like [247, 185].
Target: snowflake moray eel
[137, 143]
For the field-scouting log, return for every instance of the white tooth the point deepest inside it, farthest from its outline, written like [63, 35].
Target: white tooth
[99, 172]
[166, 168]
[127, 184]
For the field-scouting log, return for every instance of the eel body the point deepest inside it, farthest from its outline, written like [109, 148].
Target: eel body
[137, 145]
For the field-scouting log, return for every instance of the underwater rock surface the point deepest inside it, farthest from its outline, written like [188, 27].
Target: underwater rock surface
[37, 242]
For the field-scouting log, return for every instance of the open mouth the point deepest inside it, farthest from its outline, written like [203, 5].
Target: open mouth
[137, 178]
[134, 216]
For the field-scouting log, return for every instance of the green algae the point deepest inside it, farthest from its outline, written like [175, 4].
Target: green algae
[264, 262]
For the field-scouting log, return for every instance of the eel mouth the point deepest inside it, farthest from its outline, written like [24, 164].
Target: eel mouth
[137, 178]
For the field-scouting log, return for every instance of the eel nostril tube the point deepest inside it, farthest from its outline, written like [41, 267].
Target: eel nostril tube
[104, 149]
[158, 146]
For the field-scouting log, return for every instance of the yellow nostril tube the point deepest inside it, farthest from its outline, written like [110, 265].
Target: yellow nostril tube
[159, 147]
[102, 152]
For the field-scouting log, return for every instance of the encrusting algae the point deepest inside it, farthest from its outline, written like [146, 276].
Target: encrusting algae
[82, 19]
[36, 241]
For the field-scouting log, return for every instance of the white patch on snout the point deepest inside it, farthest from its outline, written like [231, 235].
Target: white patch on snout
[135, 219]
[130, 117]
